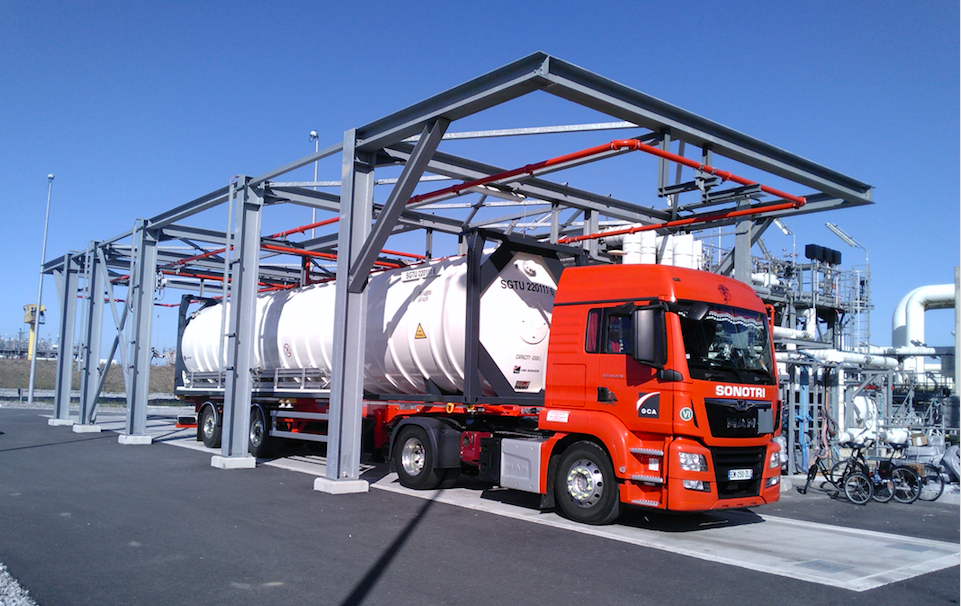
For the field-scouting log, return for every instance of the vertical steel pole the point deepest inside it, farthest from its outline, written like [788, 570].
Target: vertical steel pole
[36, 318]
[67, 286]
[141, 293]
[350, 311]
[241, 332]
[90, 374]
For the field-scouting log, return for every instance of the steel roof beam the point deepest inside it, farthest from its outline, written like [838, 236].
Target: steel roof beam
[580, 86]
[509, 82]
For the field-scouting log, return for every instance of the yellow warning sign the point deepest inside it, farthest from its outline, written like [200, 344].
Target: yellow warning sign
[420, 334]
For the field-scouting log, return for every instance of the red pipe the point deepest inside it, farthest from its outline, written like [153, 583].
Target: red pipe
[310, 253]
[615, 145]
[728, 214]
[303, 228]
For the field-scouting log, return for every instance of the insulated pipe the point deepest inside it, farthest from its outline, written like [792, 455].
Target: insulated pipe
[907, 323]
[835, 356]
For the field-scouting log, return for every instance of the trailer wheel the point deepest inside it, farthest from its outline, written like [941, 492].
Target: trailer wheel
[209, 427]
[260, 442]
[415, 460]
[585, 486]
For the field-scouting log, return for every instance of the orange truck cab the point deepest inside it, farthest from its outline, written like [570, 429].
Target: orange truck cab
[661, 392]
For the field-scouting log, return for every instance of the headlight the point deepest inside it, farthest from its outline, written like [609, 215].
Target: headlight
[697, 485]
[775, 460]
[692, 462]
[772, 481]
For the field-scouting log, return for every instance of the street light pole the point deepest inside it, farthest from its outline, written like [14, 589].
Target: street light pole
[36, 320]
[313, 212]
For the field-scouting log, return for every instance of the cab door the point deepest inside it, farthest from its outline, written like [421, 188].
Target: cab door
[625, 387]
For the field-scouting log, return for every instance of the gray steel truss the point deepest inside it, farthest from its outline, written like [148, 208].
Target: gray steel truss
[202, 259]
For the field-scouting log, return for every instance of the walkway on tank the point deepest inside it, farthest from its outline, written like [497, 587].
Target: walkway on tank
[81, 507]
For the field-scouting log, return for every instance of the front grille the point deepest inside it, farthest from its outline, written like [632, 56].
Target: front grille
[726, 459]
[738, 418]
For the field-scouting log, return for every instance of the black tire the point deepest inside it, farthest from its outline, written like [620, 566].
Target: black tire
[907, 484]
[857, 488]
[209, 426]
[585, 487]
[259, 442]
[932, 484]
[414, 459]
[883, 488]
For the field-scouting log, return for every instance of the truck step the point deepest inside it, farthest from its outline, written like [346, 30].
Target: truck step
[648, 479]
[648, 451]
[645, 503]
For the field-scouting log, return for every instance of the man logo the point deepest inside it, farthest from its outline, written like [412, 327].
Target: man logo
[649, 405]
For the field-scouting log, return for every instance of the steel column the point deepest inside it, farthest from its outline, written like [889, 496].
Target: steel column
[140, 299]
[742, 248]
[244, 262]
[350, 311]
[90, 352]
[67, 282]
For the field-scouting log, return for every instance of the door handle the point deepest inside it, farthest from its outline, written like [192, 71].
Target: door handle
[606, 395]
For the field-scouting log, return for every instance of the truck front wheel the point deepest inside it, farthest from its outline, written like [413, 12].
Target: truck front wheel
[585, 486]
[415, 459]
[209, 428]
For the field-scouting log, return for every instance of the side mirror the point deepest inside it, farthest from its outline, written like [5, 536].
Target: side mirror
[650, 336]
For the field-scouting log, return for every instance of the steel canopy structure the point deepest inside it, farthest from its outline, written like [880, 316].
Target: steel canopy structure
[240, 261]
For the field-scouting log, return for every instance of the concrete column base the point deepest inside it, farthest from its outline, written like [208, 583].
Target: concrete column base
[340, 486]
[221, 462]
[134, 440]
[86, 429]
[60, 422]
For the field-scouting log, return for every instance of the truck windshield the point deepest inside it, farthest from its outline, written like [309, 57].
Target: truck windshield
[729, 344]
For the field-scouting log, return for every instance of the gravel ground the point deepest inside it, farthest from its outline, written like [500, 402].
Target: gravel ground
[11, 593]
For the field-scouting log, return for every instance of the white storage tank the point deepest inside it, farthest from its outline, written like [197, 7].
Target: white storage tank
[415, 327]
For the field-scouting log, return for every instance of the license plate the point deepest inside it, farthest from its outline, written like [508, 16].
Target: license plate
[740, 474]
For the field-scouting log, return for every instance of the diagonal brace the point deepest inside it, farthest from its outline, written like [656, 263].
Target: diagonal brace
[409, 178]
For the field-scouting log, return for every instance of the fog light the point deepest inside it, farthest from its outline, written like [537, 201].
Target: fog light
[775, 460]
[692, 462]
[697, 485]
[772, 481]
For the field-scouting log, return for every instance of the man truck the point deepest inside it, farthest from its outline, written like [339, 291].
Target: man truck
[596, 386]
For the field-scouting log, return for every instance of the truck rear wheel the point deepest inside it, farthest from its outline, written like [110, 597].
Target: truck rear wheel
[260, 443]
[209, 427]
[585, 486]
[415, 459]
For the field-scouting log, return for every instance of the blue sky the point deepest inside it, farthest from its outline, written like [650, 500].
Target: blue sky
[139, 107]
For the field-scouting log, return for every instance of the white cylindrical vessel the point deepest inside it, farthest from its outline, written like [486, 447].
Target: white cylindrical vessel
[415, 327]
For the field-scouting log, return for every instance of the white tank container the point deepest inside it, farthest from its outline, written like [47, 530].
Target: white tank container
[415, 327]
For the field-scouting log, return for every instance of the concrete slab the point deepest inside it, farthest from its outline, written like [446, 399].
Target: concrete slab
[341, 486]
[87, 429]
[128, 440]
[60, 422]
[221, 462]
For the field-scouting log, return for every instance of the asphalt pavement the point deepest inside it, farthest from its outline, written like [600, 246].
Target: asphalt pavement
[86, 520]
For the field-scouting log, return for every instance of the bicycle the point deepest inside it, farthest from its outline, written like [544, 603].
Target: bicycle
[882, 487]
[855, 485]
[890, 479]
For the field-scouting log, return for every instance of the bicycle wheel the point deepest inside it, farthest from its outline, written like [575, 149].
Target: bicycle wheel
[857, 488]
[932, 484]
[845, 466]
[883, 488]
[907, 484]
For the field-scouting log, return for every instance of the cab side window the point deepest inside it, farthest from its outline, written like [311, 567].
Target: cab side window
[608, 332]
